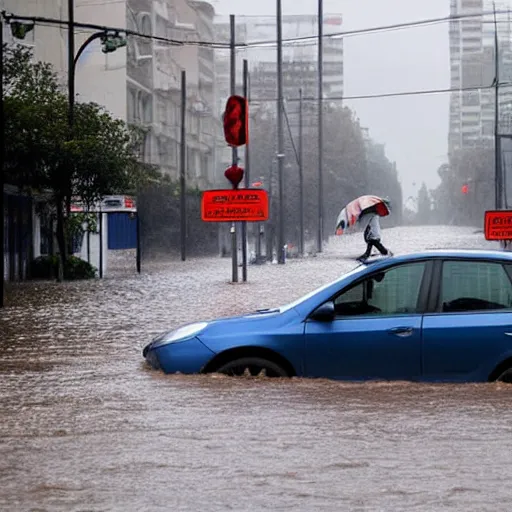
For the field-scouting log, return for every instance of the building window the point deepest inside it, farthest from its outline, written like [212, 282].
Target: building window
[488, 128]
[132, 107]
[204, 165]
[146, 109]
[471, 99]
[144, 24]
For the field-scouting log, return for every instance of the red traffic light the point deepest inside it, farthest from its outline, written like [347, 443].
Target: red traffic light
[236, 121]
[465, 189]
[234, 174]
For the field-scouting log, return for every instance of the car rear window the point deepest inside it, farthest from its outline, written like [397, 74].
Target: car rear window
[475, 286]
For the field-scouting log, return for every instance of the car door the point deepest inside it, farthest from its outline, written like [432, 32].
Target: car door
[376, 333]
[471, 326]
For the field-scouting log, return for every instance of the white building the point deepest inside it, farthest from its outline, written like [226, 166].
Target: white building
[140, 84]
[472, 65]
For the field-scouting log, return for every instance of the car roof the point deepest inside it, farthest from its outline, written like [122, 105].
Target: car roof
[466, 254]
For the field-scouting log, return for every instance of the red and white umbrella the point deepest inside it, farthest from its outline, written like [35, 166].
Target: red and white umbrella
[358, 208]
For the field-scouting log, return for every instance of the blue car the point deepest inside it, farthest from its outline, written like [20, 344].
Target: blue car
[431, 316]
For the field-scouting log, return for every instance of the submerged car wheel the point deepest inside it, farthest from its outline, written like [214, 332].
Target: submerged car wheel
[252, 367]
[505, 376]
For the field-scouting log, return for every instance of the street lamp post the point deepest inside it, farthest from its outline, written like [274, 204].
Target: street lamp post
[111, 42]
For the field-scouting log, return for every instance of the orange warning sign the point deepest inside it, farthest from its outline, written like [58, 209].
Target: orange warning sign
[250, 205]
[498, 225]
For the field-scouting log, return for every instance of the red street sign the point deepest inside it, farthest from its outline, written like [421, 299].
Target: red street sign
[250, 205]
[498, 225]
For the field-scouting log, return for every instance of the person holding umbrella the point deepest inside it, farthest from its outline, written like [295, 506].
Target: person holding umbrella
[372, 237]
[365, 210]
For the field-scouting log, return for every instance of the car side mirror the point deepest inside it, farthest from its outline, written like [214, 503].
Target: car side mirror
[324, 313]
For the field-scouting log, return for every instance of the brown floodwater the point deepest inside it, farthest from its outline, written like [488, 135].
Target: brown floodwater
[86, 425]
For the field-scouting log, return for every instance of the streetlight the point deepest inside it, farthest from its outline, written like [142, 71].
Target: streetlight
[111, 41]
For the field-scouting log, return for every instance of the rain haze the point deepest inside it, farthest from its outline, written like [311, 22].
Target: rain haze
[125, 239]
[414, 129]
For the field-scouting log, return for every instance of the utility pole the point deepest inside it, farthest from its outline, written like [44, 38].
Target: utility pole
[301, 176]
[71, 63]
[320, 124]
[246, 178]
[497, 140]
[183, 168]
[280, 134]
[2, 159]
[234, 151]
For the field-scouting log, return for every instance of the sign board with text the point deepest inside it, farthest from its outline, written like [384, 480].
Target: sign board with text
[249, 205]
[498, 225]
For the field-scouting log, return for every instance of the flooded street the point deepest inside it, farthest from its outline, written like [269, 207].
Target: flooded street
[86, 425]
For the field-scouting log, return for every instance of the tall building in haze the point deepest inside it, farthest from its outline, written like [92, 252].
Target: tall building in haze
[473, 71]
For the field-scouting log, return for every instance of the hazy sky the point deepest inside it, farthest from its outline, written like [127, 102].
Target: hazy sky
[414, 129]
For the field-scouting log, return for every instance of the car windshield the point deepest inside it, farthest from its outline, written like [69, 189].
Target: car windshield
[308, 296]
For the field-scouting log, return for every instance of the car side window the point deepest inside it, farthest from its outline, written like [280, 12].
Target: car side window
[474, 286]
[391, 292]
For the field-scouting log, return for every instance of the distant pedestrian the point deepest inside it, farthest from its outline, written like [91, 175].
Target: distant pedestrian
[372, 237]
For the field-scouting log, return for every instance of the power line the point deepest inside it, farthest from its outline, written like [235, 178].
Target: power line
[385, 28]
[39, 20]
[387, 94]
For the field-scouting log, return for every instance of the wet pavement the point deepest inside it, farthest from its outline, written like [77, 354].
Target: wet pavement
[85, 425]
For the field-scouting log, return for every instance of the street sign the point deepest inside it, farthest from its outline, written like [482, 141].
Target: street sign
[498, 225]
[250, 205]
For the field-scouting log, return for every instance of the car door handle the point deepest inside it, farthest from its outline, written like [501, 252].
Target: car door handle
[402, 332]
[508, 334]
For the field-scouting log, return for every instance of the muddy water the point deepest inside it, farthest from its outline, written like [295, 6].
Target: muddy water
[85, 425]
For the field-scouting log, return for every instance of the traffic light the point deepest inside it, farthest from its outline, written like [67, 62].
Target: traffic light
[112, 43]
[19, 29]
[234, 174]
[465, 189]
[236, 121]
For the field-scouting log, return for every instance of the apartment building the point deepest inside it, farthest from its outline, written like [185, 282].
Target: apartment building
[473, 66]
[297, 58]
[142, 84]
[154, 83]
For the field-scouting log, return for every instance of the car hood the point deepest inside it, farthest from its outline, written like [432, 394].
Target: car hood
[264, 319]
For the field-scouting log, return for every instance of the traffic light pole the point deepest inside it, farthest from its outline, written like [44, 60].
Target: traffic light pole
[234, 150]
[497, 141]
[246, 178]
[281, 258]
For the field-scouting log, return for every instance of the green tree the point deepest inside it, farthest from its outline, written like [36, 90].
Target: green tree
[96, 158]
